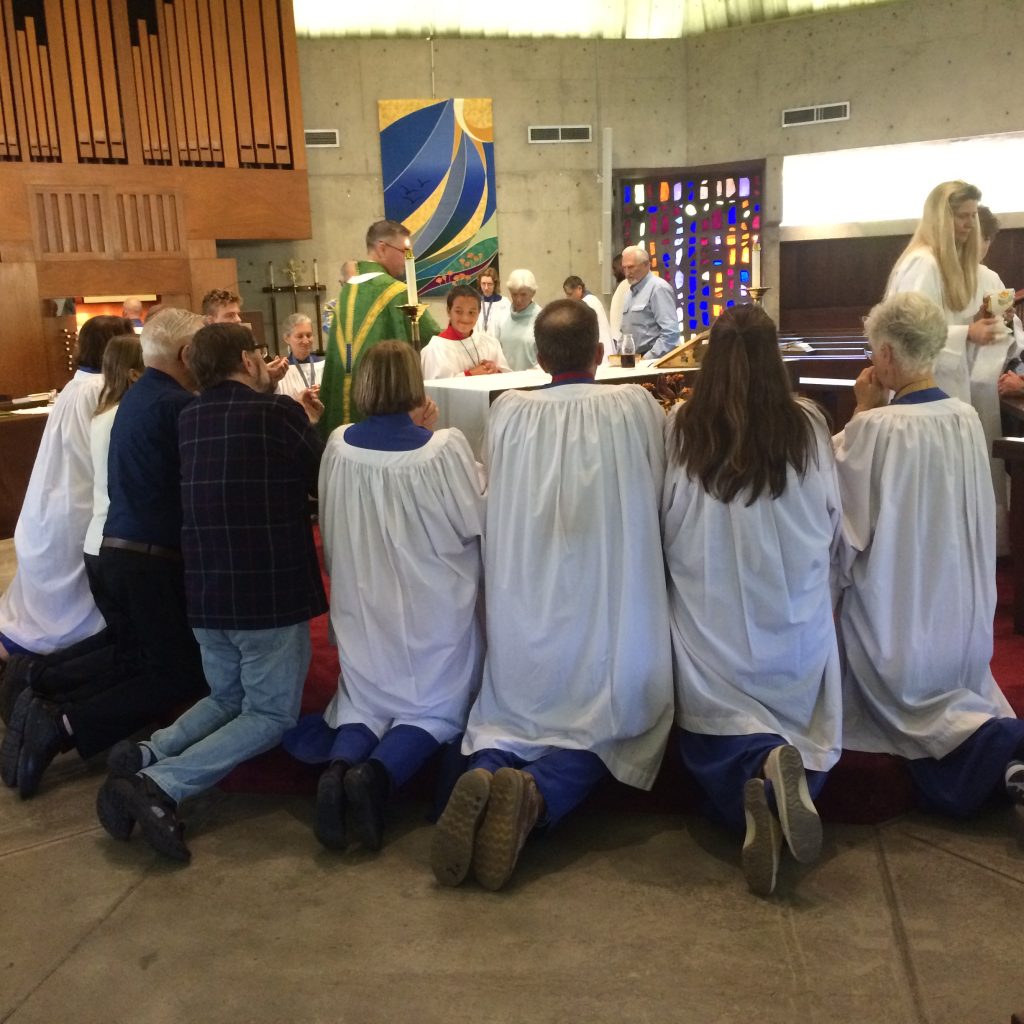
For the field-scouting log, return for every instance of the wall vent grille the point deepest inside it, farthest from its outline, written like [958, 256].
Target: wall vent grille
[322, 138]
[796, 116]
[548, 133]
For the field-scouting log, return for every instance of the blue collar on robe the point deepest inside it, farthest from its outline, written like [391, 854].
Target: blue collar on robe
[393, 433]
[569, 378]
[920, 397]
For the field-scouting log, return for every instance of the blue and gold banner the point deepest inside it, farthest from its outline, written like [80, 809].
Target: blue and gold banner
[437, 159]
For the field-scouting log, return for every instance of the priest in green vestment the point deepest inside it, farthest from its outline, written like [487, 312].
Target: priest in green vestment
[368, 311]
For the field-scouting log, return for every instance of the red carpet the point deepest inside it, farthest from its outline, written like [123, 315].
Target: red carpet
[861, 789]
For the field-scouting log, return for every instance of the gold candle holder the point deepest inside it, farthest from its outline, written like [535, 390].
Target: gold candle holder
[412, 313]
[757, 294]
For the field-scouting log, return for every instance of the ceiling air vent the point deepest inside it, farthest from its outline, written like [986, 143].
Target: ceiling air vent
[815, 115]
[322, 138]
[559, 133]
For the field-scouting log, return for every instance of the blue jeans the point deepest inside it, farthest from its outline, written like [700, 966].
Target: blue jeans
[256, 678]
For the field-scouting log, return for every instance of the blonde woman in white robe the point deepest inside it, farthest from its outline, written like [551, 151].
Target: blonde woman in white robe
[941, 262]
[751, 522]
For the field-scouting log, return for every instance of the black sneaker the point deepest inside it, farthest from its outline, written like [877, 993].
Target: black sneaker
[126, 759]
[15, 677]
[10, 747]
[42, 740]
[114, 808]
[157, 815]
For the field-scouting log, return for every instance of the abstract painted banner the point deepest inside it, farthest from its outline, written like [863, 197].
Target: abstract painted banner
[437, 160]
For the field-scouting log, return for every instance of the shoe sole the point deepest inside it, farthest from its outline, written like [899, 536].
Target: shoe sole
[451, 849]
[113, 808]
[362, 813]
[329, 820]
[10, 747]
[801, 825]
[497, 844]
[760, 855]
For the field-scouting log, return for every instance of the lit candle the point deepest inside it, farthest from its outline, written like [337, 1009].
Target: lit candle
[755, 266]
[316, 276]
[410, 275]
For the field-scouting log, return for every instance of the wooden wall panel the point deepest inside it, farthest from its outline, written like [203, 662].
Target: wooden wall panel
[833, 282]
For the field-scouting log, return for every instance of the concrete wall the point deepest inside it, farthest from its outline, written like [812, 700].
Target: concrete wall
[913, 70]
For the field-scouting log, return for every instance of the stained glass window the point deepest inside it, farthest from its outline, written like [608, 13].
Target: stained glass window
[699, 229]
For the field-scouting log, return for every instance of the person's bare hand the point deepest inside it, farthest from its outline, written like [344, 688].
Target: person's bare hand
[277, 368]
[425, 415]
[869, 392]
[1011, 384]
[311, 403]
[484, 366]
[986, 330]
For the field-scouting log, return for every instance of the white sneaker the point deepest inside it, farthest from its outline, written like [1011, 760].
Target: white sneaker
[801, 826]
[763, 841]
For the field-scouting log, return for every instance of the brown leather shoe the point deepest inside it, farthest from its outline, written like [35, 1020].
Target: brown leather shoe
[512, 811]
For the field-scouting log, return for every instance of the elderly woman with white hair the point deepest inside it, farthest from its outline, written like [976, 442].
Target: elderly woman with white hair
[305, 369]
[916, 619]
[516, 332]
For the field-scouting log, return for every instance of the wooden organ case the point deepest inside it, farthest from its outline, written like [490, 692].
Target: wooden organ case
[133, 135]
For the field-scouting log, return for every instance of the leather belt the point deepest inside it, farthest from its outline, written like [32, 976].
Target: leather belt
[142, 549]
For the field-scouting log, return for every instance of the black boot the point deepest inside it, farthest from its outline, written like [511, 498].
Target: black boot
[367, 787]
[329, 823]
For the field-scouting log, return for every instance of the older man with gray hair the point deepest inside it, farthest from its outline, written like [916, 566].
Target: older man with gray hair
[916, 618]
[649, 310]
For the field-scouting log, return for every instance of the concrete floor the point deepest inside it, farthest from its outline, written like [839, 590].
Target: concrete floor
[638, 917]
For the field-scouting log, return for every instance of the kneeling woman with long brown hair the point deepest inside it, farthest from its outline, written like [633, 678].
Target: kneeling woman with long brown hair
[750, 518]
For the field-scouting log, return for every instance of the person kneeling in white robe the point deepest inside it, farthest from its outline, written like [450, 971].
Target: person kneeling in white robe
[751, 519]
[577, 680]
[401, 515]
[916, 620]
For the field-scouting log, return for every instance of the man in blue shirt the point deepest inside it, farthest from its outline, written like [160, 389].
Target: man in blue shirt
[252, 579]
[649, 312]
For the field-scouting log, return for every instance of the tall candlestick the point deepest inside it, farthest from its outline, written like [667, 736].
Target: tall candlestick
[316, 275]
[270, 264]
[410, 275]
[755, 266]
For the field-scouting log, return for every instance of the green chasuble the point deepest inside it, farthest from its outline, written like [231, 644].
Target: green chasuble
[368, 311]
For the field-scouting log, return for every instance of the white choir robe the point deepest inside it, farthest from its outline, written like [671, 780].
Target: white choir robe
[401, 536]
[49, 604]
[493, 315]
[446, 357]
[750, 591]
[986, 364]
[578, 650]
[604, 333]
[293, 383]
[916, 618]
[615, 311]
[919, 272]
